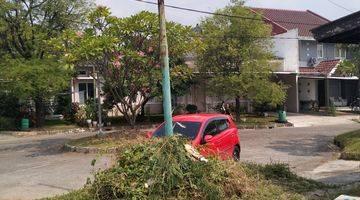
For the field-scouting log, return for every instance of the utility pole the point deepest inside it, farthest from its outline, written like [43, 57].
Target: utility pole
[164, 58]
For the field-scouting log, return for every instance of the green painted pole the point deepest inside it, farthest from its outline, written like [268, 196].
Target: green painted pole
[164, 58]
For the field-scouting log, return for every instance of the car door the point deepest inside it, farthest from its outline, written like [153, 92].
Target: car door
[220, 142]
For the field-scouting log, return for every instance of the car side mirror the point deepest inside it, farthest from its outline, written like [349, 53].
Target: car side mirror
[208, 138]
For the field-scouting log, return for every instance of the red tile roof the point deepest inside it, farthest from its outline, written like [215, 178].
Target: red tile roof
[284, 20]
[323, 68]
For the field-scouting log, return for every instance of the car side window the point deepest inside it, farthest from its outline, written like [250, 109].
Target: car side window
[223, 124]
[217, 126]
[211, 128]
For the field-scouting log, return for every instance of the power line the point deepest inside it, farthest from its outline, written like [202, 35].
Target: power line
[340, 6]
[244, 37]
[226, 15]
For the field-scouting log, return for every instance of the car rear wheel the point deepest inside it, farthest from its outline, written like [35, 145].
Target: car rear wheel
[236, 153]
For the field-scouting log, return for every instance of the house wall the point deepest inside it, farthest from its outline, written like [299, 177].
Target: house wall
[335, 88]
[308, 49]
[288, 50]
[292, 100]
[307, 89]
[75, 97]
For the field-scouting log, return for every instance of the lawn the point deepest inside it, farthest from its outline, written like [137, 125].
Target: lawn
[120, 139]
[349, 144]
[256, 120]
[58, 124]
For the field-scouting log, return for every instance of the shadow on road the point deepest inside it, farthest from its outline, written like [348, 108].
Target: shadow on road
[303, 147]
[35, 148]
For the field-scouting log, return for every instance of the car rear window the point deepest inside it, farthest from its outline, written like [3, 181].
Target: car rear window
[187, 129]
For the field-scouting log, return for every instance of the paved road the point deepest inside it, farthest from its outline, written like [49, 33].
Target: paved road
[36, 167]
[308, 150]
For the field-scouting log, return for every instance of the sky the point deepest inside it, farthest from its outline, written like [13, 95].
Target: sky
[325, 8]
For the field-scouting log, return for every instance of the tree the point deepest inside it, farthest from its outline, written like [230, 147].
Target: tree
[26, 28]
[38, 80]
[125, 53]
[234, 57]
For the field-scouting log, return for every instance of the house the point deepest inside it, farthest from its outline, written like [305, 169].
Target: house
[307, 66]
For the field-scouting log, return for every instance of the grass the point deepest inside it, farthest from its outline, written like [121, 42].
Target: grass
[120, 139]
[349, 144]
[256, 120]
[58, 124]
[162, 169]
[148, 119]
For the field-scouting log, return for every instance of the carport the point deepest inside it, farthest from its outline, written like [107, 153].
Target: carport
[345, 30]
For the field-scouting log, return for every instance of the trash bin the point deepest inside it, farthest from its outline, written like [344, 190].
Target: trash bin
[25, 124]
[282, 116]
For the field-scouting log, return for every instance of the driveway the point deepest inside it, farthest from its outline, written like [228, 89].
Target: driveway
[307, 120]
[308, 150]
[36, 167]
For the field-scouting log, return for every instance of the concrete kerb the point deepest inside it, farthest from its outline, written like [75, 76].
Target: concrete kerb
[265, 126]
[90, 150]
[44, 132]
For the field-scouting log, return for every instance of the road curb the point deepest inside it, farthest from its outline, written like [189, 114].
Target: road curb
[267, 126]
[90, 150]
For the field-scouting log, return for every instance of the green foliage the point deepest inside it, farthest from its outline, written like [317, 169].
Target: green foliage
[125, 52]
[346, 68]
[63, 105]
[162, 169]
[350, 145]
[9, 104]
[280, 174]
[35, 78]
[191, 108]
[27, 60]
[27, 25]
[235, 54]
[331, 110]
[7, 124]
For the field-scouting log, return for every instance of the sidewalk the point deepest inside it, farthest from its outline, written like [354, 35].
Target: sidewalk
[308, 120]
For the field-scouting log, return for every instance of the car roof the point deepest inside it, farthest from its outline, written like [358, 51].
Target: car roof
[198, 117]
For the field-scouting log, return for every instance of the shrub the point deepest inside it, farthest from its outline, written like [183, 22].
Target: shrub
[190, 108]
[350, 145]
[331, 110]
[179, 109]
[7, 124]
[162, 169]
[63, 105]
[71, 117]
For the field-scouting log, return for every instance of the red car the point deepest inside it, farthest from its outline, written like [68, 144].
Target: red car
[215, 134]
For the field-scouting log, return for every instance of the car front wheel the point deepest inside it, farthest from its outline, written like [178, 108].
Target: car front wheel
[236, 153]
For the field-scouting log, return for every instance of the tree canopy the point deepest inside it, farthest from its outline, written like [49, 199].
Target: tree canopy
[33, 70]
[125, 51]
[234, 57]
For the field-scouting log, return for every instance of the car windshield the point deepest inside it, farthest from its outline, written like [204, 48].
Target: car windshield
[187, 129]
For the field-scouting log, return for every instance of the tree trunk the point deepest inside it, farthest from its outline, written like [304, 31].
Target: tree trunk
[142, 111]
[132, 120]
[237, 108]
[39, 111]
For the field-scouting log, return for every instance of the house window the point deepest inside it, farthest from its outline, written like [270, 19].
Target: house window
[86, 91]
[340, 53]
[320, 50]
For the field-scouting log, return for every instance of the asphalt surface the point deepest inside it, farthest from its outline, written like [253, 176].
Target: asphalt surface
[36, 167]
[308, 150]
